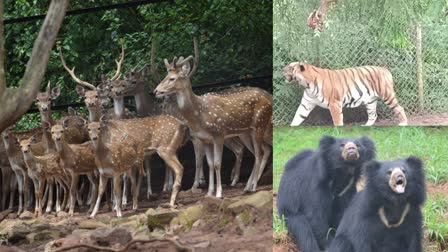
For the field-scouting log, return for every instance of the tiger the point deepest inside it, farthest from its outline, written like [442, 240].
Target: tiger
[343, 88]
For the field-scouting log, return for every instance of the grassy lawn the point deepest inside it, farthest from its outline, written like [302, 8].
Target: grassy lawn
[428, 143]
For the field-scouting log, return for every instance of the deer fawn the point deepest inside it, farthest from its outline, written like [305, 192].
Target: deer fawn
[212, 118]
[122, 144]
[76, 159]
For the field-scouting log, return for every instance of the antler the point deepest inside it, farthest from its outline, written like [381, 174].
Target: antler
[154, 72]
[196, 57]
[117, 73]
[182, 61]
[48, 87]
[72, 73]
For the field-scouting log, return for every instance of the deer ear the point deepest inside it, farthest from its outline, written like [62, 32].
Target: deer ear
[71, 111]
[145, 72]
[80, 90]
[46, 125]
[55, 92]
[103, 120]
[186, 68]
[83, 121]
[167, 64]
[33, 139]
[65, 123]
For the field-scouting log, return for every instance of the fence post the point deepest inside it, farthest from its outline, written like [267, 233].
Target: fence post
[419, 61]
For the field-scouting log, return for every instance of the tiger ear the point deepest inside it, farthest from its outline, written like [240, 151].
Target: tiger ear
[302, 68]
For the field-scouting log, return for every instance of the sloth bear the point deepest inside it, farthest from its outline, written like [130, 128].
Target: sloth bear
[386, 215]
[317, 186]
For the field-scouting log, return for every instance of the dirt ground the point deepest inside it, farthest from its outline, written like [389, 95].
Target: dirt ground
[218, 227]
[419, 120]
[286, 244]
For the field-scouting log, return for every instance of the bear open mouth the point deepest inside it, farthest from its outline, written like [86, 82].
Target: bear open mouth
[397, 181]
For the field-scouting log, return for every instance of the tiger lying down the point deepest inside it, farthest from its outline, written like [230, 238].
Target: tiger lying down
[344, 88]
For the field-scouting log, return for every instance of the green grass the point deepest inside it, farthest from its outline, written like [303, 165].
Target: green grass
[428, 143]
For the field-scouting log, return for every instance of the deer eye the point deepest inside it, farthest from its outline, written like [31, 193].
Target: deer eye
[99, 128]
[172, 79]
[123, 85]
[96, 96]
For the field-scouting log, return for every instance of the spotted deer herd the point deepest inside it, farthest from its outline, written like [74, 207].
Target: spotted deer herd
[49, 163]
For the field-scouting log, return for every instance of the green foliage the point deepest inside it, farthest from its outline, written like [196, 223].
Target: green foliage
[235, 39]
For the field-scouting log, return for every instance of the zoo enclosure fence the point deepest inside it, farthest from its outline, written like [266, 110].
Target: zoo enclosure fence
[418, 62]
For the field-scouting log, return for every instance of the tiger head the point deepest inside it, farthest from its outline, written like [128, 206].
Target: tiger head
[298, 71]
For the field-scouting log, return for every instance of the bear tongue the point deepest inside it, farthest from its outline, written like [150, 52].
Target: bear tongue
[399, 188]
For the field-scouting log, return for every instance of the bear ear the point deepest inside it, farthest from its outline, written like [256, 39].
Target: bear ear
[414, 162]
[369, 145]
[326, 141]
[370, 168]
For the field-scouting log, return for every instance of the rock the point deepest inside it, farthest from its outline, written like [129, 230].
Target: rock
[26, 215]
[203, 245]
[193, 192]
[158, 218]
[10, 249]
[157, 233]
[43, 235]
[5, 214]
[12, 216]
[198, 223]
[259, 200]
[141, 233]
[188, 216]
[111, 236]
[61, 214]
[91, 224]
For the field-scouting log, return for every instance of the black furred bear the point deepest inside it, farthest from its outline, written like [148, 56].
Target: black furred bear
[317, 186]
[386, 215]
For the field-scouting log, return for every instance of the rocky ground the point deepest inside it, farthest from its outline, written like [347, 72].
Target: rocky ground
[240, 222]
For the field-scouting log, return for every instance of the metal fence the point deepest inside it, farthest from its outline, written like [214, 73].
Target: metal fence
[418, 62]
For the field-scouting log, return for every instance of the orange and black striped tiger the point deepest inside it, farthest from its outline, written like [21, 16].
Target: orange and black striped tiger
[344, 88]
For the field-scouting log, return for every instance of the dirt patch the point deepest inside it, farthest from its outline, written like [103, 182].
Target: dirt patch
[437, 188]
[439, 119]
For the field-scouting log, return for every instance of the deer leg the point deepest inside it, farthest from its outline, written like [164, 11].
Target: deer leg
[81, 192]
[166, 180]
[170, 178]
[73, 192]
[199, 158]
[246, 140]
[148, 176]
[50, 183]
[58, 195]
[94, 187]
[36, 196]
[45, 198]
[117, 194]
[131, 175]
[22, 197]
[124, 200]
[251, 185]
[238, 150]
[172, 161]
[218, 146]
[12, 192]
[208, 148]
[40, 195]
[101, 189]
[266, 153]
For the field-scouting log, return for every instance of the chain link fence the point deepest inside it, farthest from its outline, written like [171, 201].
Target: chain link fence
[418, 62]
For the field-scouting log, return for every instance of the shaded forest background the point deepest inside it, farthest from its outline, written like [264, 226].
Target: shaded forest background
[235, 40]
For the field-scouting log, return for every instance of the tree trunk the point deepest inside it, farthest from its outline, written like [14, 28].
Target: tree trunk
[14, 102]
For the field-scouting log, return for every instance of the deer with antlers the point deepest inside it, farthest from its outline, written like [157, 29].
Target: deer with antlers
[244, 112]
[135, 83]
[95, 95]
[122, 144]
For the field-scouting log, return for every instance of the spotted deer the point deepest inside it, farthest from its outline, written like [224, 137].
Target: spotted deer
[135, 84]
[121, 144]
[76, 159]
[41, 169]
[95, 96]
[244, 112]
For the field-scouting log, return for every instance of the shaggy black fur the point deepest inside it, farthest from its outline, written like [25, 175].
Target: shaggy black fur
[310, 195]
[362, 229]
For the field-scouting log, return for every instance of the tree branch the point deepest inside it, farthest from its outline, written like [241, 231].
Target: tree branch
[15, 102]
